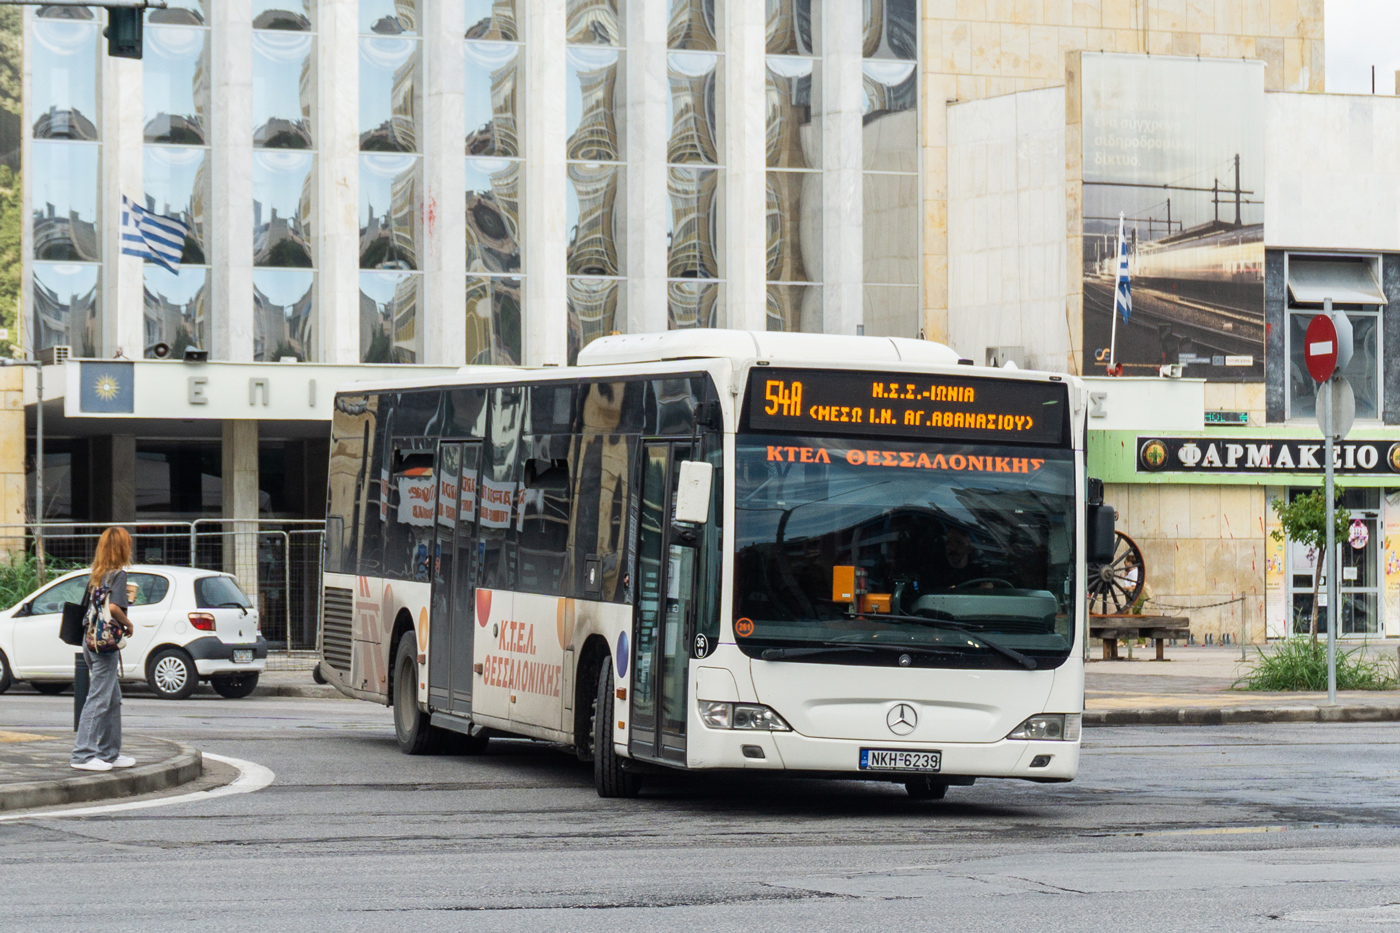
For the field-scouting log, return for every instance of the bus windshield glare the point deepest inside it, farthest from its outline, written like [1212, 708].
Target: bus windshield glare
[877, 552]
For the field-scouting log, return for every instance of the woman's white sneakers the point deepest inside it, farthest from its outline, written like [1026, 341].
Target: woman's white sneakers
[97, 764]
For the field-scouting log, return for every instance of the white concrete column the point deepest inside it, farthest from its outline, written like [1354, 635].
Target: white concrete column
[841, 128]
[745, 204]
[239, 487]
[338, 146]
[444, 197]
[123, 295]
[24, 320]
[545, 323]
[231, 156]
[648, 92]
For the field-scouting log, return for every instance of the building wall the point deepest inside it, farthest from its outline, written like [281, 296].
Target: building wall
[1321, 192]
[1201, 545]
[12, 454]
[974, 49]
[1006, 269]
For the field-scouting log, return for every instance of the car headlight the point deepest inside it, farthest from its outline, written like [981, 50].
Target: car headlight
[1053, 727]
[751, 717]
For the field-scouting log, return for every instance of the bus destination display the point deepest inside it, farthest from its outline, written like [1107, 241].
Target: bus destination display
[906, 405]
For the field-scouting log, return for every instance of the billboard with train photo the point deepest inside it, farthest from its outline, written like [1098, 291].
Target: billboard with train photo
[1175, 148]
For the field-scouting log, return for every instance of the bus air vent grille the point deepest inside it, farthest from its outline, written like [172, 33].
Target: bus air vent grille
[336, 618]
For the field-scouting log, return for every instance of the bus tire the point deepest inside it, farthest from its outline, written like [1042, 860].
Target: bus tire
[611, 779]
[925, 789]
[411, 725]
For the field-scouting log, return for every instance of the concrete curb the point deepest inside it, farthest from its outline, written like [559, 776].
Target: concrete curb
[1230, 715]
[184, 765]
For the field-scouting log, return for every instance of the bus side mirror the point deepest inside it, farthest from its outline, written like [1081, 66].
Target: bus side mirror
[1100, 541]
[693, 493]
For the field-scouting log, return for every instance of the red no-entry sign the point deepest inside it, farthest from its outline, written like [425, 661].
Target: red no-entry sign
[1320, 348]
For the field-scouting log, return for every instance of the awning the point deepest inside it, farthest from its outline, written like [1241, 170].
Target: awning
[1311, 280]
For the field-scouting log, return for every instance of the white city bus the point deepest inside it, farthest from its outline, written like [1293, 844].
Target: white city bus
[846, 556]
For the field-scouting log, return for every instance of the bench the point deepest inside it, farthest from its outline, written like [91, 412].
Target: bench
[1158, 628]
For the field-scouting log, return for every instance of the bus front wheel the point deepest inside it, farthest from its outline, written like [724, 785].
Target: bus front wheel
[611, 779]
[411, 724]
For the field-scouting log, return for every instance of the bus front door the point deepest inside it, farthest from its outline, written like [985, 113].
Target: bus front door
[664, 609]
[453, 611]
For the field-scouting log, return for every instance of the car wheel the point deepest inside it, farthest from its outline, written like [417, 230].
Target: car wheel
[5, 678]
[49, 688]
[609, 776]
[172, 674]
[234, 686]
[411, 725]
[925, 789]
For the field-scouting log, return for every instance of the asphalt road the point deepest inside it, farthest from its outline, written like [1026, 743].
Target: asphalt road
[1174, 828]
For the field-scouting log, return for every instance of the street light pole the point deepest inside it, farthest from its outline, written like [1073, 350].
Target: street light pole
[38, 462]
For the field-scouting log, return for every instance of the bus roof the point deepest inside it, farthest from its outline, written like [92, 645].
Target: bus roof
[741, 345]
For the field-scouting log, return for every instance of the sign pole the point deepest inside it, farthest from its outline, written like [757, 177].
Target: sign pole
[1333, 609]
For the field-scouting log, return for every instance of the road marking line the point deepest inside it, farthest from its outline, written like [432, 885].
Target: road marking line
[251, 777]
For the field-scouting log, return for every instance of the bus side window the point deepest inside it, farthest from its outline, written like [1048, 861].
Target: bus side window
[500, 482]
[544, 527]
[466, 413]
[371, 552]
[352, 421]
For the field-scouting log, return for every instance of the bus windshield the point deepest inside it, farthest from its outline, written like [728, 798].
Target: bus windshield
[860, 551]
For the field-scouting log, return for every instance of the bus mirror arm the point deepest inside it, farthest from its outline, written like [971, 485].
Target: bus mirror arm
[685, 535]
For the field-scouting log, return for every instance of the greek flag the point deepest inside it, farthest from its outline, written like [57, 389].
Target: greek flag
[1123, 288]
[152, 236]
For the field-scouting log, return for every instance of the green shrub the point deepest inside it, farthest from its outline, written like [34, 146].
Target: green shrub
[1299, 663]
[19, 576]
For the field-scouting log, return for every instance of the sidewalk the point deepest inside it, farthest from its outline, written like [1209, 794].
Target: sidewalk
[34, 770]
[1192, 687]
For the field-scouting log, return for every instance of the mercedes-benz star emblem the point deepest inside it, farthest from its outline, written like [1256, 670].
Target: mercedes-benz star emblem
[902, 719]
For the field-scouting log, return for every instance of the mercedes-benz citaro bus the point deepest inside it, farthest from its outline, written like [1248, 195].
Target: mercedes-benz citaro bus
[839, 556]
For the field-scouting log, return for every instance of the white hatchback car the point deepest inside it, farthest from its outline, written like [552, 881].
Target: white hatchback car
[191, 625]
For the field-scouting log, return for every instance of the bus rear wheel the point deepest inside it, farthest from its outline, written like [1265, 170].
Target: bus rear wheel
[411, 725]
[925, 789]
[611, 779]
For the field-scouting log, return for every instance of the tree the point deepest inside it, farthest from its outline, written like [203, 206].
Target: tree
[1304, 522]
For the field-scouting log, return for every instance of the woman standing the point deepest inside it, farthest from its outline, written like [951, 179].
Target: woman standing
[99, 743]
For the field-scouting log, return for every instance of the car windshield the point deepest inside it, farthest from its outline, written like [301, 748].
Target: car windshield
[855, 546]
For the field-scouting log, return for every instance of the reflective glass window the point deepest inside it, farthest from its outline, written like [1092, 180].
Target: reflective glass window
[176, 308]
[790, 28]
[593, 311]
[493, 215]
[175, 84]
[66, 307]
[794, 226]
[177, 185]
[283, 314]
[891, 29]
[593, 104]
[63, 95]
[390, 211]
[493, 320]
[693, 229]
[692, 25]
[891, 311]
[795, 308]
[284, 89]
[493, 84]
[694, 77]
[390, 94]
[1363, 371]
[492, 19]
[793, 147]
[890, 116]
[63, 197]
[389, 17]
[792, 138]
[390, 318]
[295, 15]
[283, 184]
[693, 304]
[891, 225]
[593, 219]
[593, 22]
[179, 13]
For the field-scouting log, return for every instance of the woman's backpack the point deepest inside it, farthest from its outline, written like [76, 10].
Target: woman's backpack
[104, 634]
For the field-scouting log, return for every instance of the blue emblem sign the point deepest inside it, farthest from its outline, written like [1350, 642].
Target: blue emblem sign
[622, 655]
[107, 387]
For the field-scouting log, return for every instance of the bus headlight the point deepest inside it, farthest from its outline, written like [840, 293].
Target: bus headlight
[1054, 727]
[750, 717]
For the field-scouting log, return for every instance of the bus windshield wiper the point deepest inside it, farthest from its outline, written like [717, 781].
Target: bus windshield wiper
[837, 647]
[1027, 662]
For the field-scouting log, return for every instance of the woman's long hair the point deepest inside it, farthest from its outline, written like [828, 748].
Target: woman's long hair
[113, 553]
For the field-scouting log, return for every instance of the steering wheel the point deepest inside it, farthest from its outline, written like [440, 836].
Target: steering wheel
[1000, 583]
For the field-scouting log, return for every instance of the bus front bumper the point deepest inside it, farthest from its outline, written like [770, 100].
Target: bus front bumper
[789, 751]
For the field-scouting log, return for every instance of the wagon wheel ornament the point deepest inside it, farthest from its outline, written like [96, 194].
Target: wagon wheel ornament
[1114, 587]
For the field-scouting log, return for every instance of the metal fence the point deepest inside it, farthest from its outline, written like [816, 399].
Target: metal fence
[277, 562]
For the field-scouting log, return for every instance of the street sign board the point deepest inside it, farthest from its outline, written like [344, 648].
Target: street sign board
[1320, 348]
[1336, 407]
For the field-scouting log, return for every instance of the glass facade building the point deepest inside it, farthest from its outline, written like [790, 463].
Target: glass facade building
[312, 139]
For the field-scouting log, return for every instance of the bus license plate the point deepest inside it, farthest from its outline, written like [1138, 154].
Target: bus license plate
[243, 656]
[889, 759]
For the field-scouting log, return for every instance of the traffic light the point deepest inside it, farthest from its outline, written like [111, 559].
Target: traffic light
[123, 32]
